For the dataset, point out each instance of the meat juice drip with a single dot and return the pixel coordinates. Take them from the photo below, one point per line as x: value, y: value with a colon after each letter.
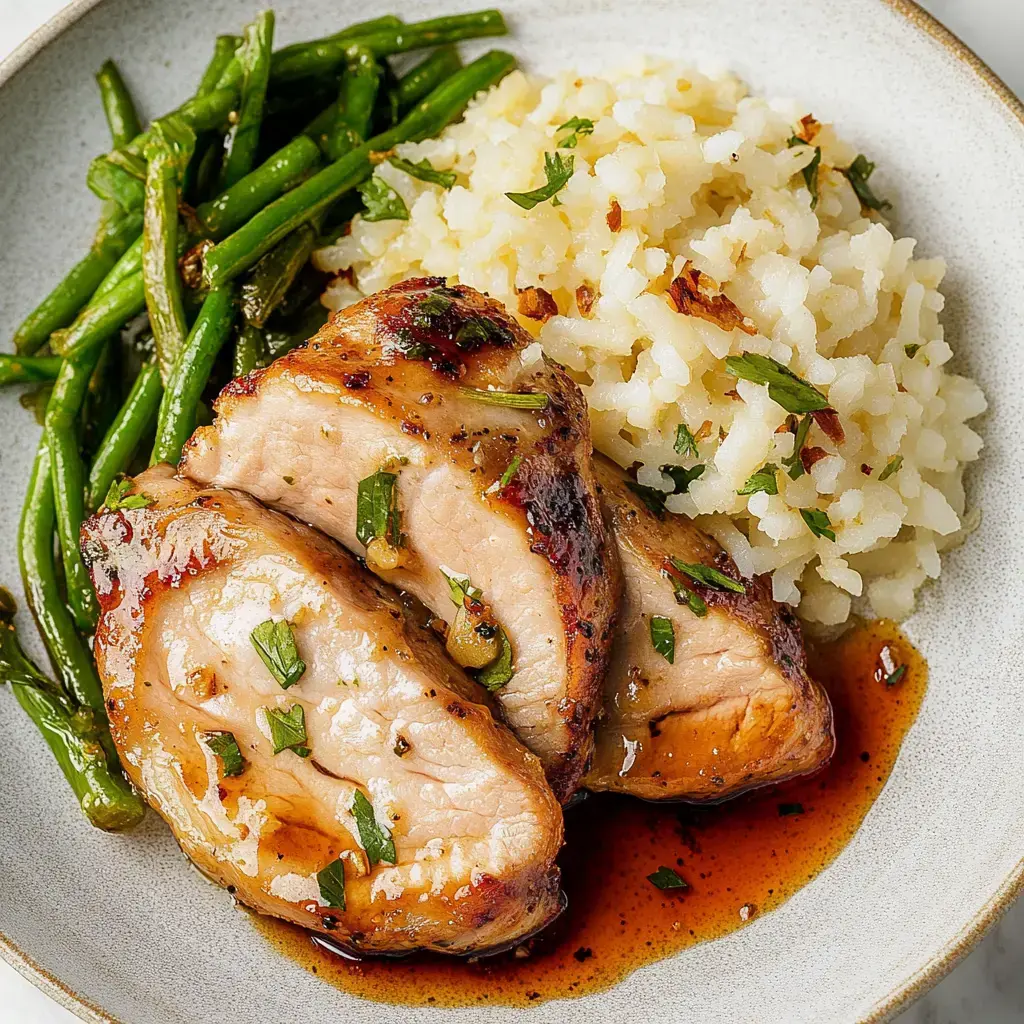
x: 741, y: 859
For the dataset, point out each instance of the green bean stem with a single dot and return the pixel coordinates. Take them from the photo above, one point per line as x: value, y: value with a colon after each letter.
x: 117, y: 104
x: 424, y: 78
x: 327, y: 55
x: 62, y: 305
x: 254, y: 56
x: 39, y: 578
x: 177, y: 418
x: 136, y: 418
x: 241, y: 250
x: 250, y: 350
x: 160, y: 276
x: 80, y: 743
x: 16, y: 369
x: 68, y: 475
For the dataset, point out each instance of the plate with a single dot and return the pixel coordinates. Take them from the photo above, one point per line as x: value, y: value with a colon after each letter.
x: 122, y: 928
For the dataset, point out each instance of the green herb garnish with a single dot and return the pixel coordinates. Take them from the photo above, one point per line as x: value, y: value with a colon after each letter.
x: 510, y: 471
x: 578, y: 126
x: 331, y: 880
x: 666, y: 878
x: 763, y: 480
x: 663, y: 638
x: 857, y: 174
x: 376, y: 841
x: 509, y: 399
x: 818, y: 523
x: 557, y: 170
x: 382, y: 201
x: 650, y: 496
x: 225, y: 746
x: 891, y: 467
x: 461, y: 588
x: 495, y: 675
x: 431, y: 306
x: 896, y: 675
x: 424, y: 172
x: 707, y: 576
x: 810, y: 172
x: 911, y: 350
x: 288, y: 729
x: 275, y: 644
x: 785, y: 388
x: 377, y: 509
x: 120, y: 497
x: 685, y: 443
x: 682, y: 477
x: 787, y: 809
x: 793, y: 464
x: 685, y: 596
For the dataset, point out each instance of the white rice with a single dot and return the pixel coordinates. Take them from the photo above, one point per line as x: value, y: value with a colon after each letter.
x: 703, y: 173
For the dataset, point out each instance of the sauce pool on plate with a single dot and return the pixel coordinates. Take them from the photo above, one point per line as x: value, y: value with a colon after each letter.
x: 739, y: 859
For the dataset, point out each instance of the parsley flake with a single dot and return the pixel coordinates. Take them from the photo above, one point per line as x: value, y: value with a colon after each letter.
x: 785, y: 810
x: 891, y: 467
x: 706, y: 575
x: 667, y: 878
x: 510, y: 471
x: 793, y: 464
x: 810, y: 172
x: 785, y: 388
x: 685, y: 443
x: 225, y: 746
x: 376, y: 841
x: 577, y: 126
x: 120, y: 497
x: 377, y: 509
x: 424, y: 171
x: 818, y: 523
x: 495, y: 675
x: 663, y: 638
x: 381, y: 200
x: 331, y: 881
x: 288, y: 729
x: 682, y: 477
x: 763, y: 480
x: 275, y: 644
x: 558, y: 170
x: 857, y: 174
x: 896, y: 676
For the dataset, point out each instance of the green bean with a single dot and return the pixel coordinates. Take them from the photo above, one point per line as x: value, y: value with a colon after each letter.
x: 250, y: 350
x: 177, y: 417
x: 223, y: 52
x: 117, y: 104
x: 241, y: 250
x: 38, y: 576
x: 168, y: 153
x: 79, y: 742
x: 254, y: 56
x: 329, y: 54
x: 273, y: 275
x: 102, y: 399
x: 136, y: 418
x: 101, y: 318
x: 424, y: 78
x: 356, y: 99
x: 303, y: 327
x: 16, y: 369
x: 60, y: 307
x: 68, y: 475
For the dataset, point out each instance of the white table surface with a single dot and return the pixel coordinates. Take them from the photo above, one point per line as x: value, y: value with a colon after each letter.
x: 988, y: 987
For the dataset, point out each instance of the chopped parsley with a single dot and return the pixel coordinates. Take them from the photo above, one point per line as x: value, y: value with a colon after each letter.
x: 685, y: 443
x: 432, y: 306
x: 120, y: 497
x: 682, y: 477
x: 424, y: 171
x: 785, y: 810
x: 891, y: 467
x: 785, y: 388
x: 577, y: 126
x: 857, y: 174
x: 810, y: 172
x: 275, y: 644
x: 896, y: 676
x: 650, y: 496
x: 225, y: 746
x: 763, y: 480
x: 376, y: 841
x: 509, y: 399
x: 558, y: 170
x: 685, y: 596
x: 818, y: 523
x: 510, y: 471
x: 707, y: 576
x: 288, y: 729
x: 461, y: 588
x: 381, y: 200
x: 331, y: 880
x: 495, y: 675
x: 377, y: 509
x: 663, y: 638
x: 793, y: 464
x: 667, y: 878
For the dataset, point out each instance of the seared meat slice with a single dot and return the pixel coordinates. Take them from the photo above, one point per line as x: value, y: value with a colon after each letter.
x: 502, y: 495
x: 380, y: 738
x: 735, y: 708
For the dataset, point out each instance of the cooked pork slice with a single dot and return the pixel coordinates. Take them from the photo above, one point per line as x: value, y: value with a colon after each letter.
x: 307, y: 741
x: 724, y: 702
x: 399, y: 431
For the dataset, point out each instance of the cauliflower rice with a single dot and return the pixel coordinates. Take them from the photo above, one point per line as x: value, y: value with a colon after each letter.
x: 703, y: 172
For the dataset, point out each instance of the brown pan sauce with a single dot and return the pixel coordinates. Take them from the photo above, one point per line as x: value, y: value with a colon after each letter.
x: 740, y: 859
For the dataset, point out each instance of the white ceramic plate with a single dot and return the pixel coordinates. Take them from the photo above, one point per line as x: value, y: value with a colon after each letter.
x: 121, y: 928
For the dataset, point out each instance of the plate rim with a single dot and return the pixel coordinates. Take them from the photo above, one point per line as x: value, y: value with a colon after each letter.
x: 944, y: 960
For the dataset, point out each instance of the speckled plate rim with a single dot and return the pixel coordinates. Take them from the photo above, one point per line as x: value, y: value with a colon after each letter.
x: 916, y: 984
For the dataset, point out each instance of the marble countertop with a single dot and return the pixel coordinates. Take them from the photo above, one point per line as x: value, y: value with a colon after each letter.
x: 988, y: 986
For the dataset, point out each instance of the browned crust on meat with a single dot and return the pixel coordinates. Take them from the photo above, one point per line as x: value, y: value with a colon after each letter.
x: 792, y: 749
